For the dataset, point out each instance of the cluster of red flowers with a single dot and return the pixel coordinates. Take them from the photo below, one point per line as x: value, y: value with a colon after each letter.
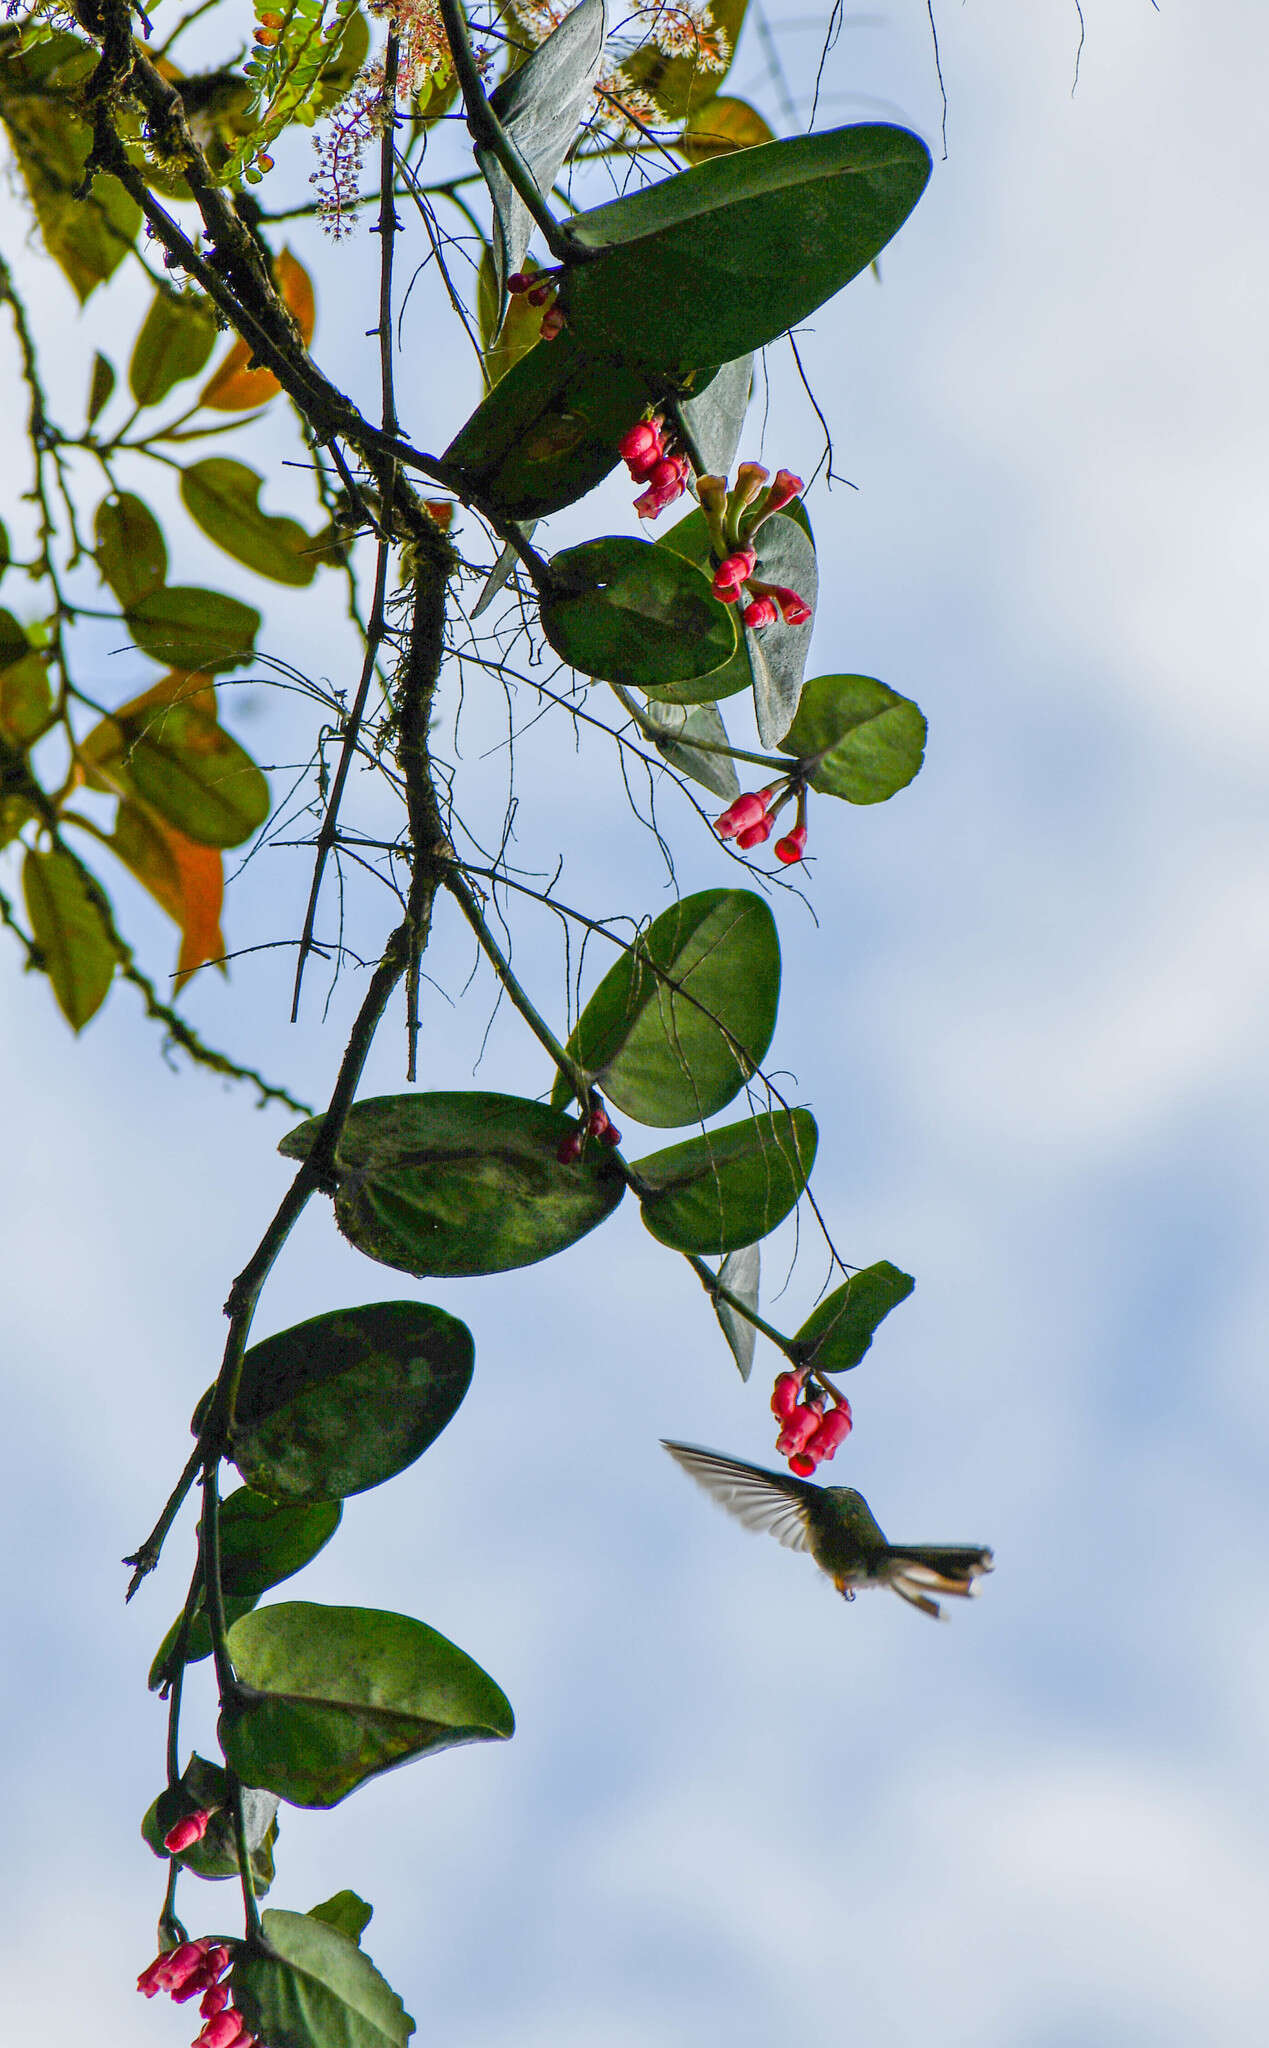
x: 733, y: 517
x: 646, y: 455
x: 539, y: 290
x: 194, y: 1970
x: 595, y: 1124
x: 807, y: 1434
x: 750, y: 820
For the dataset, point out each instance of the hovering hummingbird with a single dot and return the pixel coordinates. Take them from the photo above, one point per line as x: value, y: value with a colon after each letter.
x: 836, y: 1525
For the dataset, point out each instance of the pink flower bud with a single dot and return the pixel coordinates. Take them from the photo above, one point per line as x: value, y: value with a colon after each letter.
x: 760, y: 613
x: 741, y: 813
x: 552, y: 324
x: 569, y: 1149
x: 791, y: 847
x: 794, y: 610
x: 597, y: 1123
x: 802, y: 1464
x: 833, y: 1430
x: 785, y: 1393
x: 732, y: 572
x: 175, y: 1968
x: 154, y: 1976
x: 186, y: 1832
x: 222, y: 2031
x: 215, y: 1999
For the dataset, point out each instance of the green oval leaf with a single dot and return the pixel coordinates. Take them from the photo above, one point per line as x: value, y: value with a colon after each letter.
x: 548, y: 431
x: 177, y: 337
x: 204, y: 1787
x: 26, y: 696
x: 724, y: 258
x: 683, y: 1021
x: 740, y: 1273
x: 628, y: 612
x: 453, y: 1184
x: 222, y: 498
x: 262, y: 1542
x: 540, y: 105
x: 837, y: 1333
x: 867, y: 740
x: 715, y: 417
x: 101, y: 384
x: 131, y: 551
x: 728, y: 1188
x: 345, y: 1911
x: 315, y: 1988
x: 335, y: 1695
x: 347, y: 1400
x: 676, y: 726
x: 195, y: 630
x: 194, y: 774
x: 64, y: 905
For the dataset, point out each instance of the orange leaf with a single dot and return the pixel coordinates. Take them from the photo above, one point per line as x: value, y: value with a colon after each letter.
x: 236, y: 388
x: 185, y: 880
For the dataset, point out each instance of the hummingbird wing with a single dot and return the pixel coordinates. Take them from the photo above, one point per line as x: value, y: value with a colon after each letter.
x: 760, y: 1499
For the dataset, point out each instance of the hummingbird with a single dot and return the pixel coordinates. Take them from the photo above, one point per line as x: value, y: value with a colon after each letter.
x: 837, y: 1526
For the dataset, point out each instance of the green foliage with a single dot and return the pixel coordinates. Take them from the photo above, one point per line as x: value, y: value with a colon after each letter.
x: 194, y: 629
x: 222, y: 498
x: 699, y: 267
x: 680, y: 85
x: 262, y: 1542
x: 627, y: 612
x: 335, y: 1695
x: 728, y: 1188
x: 100, y: 387
x: 68, y: 924
x: 179, y: 760
x: 131, y: 550
x: 177, y: 337
x: 461, y: 1184
x: 674, y: 728
x: 314, y: 1988
x: 714, y: 417
x: 683, y: 1021
x: 87, y: 236
x: 347, y: 1913
x: 348, y: 1400
x: 838, y: 1333
x: 865, y: 740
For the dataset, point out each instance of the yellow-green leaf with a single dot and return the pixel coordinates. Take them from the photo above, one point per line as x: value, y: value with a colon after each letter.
x: 222, y: 498
x: 64, y: 906
x: 177, y: 336
x: 131, y: 551
x: 720, y: 126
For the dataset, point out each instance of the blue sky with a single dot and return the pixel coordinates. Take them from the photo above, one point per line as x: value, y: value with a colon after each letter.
x: 1032, y: 1025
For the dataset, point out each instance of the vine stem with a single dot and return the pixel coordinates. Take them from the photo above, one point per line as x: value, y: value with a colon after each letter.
x: 717, y: 1292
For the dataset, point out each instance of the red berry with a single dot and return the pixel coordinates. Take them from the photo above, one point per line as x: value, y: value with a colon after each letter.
x: 597, y: 1123
x: 569, y: 1149
x: 754, y: 835
x: 792, y: 846
x: 612, y: 1136
x: 518, y: 282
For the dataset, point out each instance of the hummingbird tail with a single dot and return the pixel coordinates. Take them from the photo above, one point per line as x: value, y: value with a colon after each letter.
x: 917, y: 1570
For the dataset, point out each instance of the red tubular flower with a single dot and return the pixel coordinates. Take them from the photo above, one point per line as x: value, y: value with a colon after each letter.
x: 186, y: 1832
x: 799, y: 1429
x: 785, y: 1394
x: 640, y: 442
x: 754, y: 835
x: 154, y: 1976
x: 215, y: 1999
x: 222, y: 2031
x: 833, y: 1431
x: 802, y: 1465
x: 732, y: 572
x: 655, y: 499
x: 791, y: 847
x: 760, y: 613
x: 743, y: 812
x: 794, y: 610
